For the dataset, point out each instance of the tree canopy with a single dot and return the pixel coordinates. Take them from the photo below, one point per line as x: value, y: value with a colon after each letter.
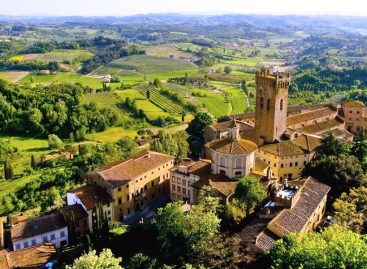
x: 105, y: 260
x: 339, y: 172
x: 332, y: 248
x: 197, y: 125
x: 350, y: 209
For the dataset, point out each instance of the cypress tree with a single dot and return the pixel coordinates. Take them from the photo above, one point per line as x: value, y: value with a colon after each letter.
x: 33, y: 162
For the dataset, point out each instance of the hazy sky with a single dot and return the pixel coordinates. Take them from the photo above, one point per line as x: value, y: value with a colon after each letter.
x: 130, y: 7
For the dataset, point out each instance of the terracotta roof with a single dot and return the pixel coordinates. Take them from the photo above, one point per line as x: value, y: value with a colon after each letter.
x: 33, y: 257
x: 307, y: 142
x: 320, y: 127
x: 221, y: 183
x: 229, y: 146
x: 4, y: 262
x: 200, y: 168
x: 296, y: 218
x: 265, y: 240
x: 118, y: 173
x: 283, y: 148
x: 77, y: 211
x: 89, y: 195
x: 299, y: 108
x: 260, y: 165
x: 298, y: 146
x: 352, y: 103
x: 315, y: 114
x: 36, y: 226
x: 223, y: 126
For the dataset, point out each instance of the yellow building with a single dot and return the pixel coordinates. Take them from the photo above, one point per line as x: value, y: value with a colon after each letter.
x: 288, y: 158
x: 355, y: 113
x: 298, y: 206
x: 135, y: 182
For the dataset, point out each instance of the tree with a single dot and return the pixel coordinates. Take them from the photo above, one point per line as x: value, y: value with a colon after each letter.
x: 6, y: 149
x: 227, y: 70
x: 170, y: 223
x: 250, y: 191
x: 148, y: 94
x: 141, y: 261
x: 191, y: 230
x: 157, y: 83
x: 34, y: 162
x: 330, y: 146
x: 339, y: 172
x: 105, y: 260
x: 54, y: 142
x: 197, y: 125
x: 332, y: 248
x: 8, y: 170
x: 359, y: 148
x: 244, y: 87
x: 350, y: 209
x: 175, y: 145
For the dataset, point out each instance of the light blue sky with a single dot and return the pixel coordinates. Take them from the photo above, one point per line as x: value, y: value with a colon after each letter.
x: 130, y: 7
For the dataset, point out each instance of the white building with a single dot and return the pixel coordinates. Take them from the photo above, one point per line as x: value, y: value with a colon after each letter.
x: 232, y: 156
x: 183, y: 175
x: 90, y: 197
x: 27, y: 232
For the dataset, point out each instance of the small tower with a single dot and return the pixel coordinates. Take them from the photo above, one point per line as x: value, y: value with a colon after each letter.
x: 234, y: 130
x: 271, y: 106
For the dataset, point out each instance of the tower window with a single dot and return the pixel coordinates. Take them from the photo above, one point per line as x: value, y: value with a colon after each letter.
x: 262, y: 102
x: 268, y: 105
x: 281, y: 104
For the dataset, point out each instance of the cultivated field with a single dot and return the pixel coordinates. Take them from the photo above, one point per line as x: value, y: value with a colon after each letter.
x: 144, y: 64
x: 62, y: 77
x: 13, y: 76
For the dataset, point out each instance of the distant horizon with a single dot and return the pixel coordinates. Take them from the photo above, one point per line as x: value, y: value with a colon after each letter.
x: 125, y: 8
x: 179, y: 14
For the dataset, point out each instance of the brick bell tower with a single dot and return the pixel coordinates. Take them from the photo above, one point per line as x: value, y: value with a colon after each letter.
x: 271, y: 106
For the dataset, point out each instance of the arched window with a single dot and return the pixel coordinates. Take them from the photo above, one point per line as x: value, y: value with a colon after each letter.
x: 222, y: 161
x: 268, y: 105
x: 238, y: 163
x: 281, y: 104
x: 262, y: 102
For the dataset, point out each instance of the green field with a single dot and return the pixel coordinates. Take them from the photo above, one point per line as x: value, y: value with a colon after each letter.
x: 112, y: 134
x: 162, y: 101
x: 65, y: 55
x: 237, y: 99
x: 166, y: 50
x: 144, y: 64
x: 151, y: 110
x: 214, y: 102
x: 62, y: 77
x: 21, y: 159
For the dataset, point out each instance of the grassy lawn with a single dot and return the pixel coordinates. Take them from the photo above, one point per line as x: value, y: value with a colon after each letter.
x: 104, y: 99
x: 237, y: 100
x: 215, y: 103
x: 21, y: 159
x: 62, y: 77
x: 112, y: 134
